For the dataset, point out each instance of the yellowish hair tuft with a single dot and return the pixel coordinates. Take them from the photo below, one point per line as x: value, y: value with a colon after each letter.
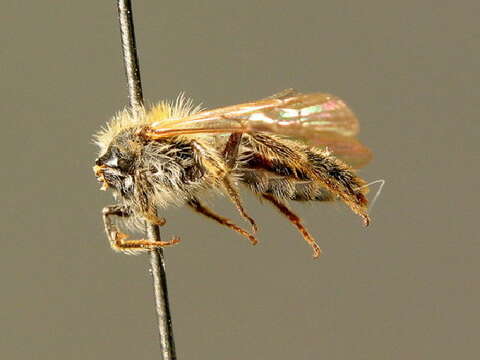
x: 163, y: 112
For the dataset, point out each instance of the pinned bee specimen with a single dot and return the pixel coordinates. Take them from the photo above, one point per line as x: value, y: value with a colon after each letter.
x: 290, y: 146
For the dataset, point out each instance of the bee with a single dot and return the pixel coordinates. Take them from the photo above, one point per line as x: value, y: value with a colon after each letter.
x: 289, y: 146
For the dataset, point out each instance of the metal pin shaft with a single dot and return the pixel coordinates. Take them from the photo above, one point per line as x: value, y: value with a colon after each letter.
x: 157, y: 260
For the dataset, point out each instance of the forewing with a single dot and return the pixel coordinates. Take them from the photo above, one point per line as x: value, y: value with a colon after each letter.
x: 291, y: 114
x: 306, y: 116
x: 346, y: 148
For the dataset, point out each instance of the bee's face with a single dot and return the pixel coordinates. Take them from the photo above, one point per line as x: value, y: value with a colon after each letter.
x: 114, y: 168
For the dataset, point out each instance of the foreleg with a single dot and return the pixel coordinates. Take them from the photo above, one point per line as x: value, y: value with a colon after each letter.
x: 118, y: 240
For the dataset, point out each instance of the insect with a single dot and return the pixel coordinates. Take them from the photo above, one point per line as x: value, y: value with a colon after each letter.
x: 290, y: 146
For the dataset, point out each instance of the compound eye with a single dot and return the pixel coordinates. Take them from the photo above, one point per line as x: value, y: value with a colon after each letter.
x: 109, y: 158
x: 124, y: 164
x: 115, y: 159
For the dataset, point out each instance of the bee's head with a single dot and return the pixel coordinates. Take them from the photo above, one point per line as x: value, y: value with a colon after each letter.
x: 114, y: 168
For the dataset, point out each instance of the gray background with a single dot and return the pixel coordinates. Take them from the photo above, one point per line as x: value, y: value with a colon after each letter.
x: 405, y: 288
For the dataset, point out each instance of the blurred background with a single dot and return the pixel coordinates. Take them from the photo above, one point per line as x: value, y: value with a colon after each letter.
x: 406, y: 287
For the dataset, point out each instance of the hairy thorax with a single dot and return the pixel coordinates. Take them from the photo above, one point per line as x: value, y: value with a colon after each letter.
x: 145, y: 173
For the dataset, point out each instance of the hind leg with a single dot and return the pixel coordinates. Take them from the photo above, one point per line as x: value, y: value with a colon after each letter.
x: 296, y: 221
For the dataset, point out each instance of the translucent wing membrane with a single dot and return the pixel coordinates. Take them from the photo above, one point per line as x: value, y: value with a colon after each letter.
x: 321, y: 119
x: 348, y: 149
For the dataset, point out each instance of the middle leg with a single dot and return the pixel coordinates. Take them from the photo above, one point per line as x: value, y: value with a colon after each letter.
x: 196, y: 205
x: 235, y: 197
